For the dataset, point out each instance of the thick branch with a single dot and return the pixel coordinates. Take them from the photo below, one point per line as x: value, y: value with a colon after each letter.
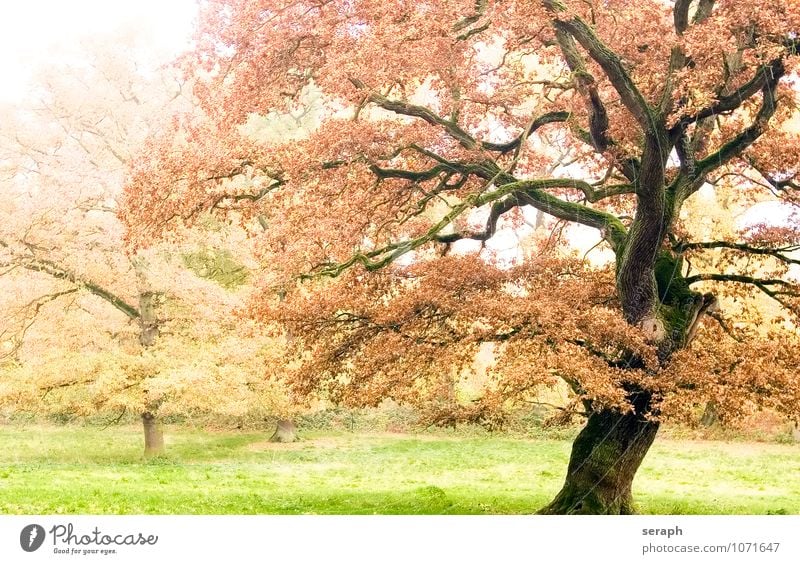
x: 520, y: 192
x: 498, y: 209
x: 746, y: 138
x: 704, y: 8
x: 610, y: 226
x: 552, y: 117
x: 381, y: 257
x: 590, y: 193
x: 420, y: 175
x: 252, y: 197
x: 680, y: 15
x: 737, y: 98
x: 412, y: 110
x: 587, y: 87
x: 56, y: 271
x: 609, y: 61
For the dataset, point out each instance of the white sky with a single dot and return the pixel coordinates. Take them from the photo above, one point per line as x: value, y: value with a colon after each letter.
x: 30, y: 29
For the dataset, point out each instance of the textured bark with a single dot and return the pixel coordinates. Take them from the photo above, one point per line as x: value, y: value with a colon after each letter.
x: 148, y: 321
x: 604, y: 460
x: 636, y: 263
x: 153, y: 435
x: 655, y: 298
x: 285, y: 432
x: 609, y: 450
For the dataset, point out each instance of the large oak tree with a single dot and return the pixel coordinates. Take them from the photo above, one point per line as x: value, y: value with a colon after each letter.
x: 608, y: 114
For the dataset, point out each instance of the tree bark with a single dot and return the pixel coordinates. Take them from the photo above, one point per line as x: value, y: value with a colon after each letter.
x: 710, y: 415
x: 148, y: 323
x: 148, y: 332
x: 153, y: 435
x: 609, y: 450
x: 605, y: 457
x: 285, y: 432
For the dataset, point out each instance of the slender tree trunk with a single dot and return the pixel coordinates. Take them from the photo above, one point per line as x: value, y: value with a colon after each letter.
x: 148, y: 333
x: 153, y: 435
x: 605, y: 457
x: 710, y: 415
x: 285, y: 432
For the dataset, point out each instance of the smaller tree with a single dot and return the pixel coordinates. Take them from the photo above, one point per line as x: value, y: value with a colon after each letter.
x: 64, y: 152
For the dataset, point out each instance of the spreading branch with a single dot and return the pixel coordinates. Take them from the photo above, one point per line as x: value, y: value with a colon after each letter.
x: 505, y: 197
x: 775, y: 288
x: 29, y: 312
x: 736, y: 98
x: 777, y: 252
x: 552, y: 117
x: 750, y: 134
x: 59, y: 272
x: 414, y: 110
x: 586, y: 85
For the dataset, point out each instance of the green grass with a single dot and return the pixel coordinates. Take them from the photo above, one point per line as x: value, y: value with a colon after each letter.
x: 76, y: 469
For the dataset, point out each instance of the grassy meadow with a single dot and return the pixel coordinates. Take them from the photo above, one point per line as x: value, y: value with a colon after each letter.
x: 84, y: 469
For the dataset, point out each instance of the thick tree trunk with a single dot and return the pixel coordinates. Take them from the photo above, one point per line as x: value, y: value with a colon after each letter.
x: 153, y: 435
x: 285, y: 432
x: 605, y: 457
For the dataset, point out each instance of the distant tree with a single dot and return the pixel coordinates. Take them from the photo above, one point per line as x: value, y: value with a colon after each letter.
x: 438, y: 130
x: 64, y: 153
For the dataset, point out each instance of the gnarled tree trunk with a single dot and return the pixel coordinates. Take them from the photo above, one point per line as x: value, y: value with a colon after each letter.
x: 609, y: 450
x: 285, y: 432
x: 656, y: 299
x: 153, y: 435
x: 605, y: 457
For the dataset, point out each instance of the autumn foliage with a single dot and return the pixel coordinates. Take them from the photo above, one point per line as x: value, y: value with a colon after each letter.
x: 440, y: 126
x: 87, y: 329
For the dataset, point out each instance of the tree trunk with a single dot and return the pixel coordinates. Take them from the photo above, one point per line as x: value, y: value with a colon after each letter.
x: 710, y: 416
x: 148, y: 332
x: 148, y: 323
x: 285, y: 432
x: 605, y: 457
x: 609, y: 450
x: 153, y: 435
